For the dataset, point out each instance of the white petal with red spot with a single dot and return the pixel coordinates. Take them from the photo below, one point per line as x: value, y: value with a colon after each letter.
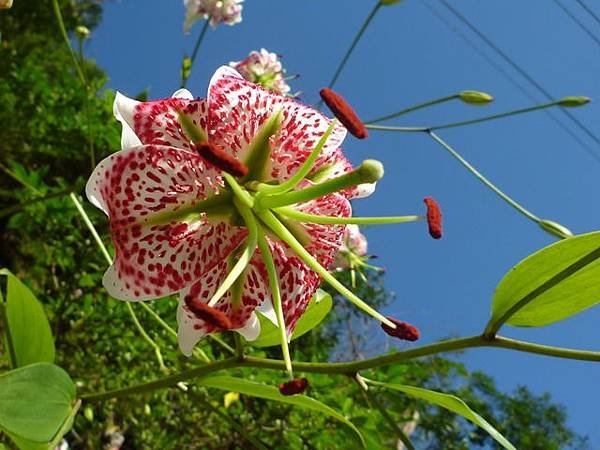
x: 237, y: 109
x: 162, y: 246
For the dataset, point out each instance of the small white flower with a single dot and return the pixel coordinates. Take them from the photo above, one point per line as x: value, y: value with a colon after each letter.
x: 216, y: 11
x: 263, y: 68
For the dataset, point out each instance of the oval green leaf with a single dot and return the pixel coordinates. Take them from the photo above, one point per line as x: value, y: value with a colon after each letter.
x: 272, y: 393
x: 29, y: 328
x: 451, y: 403
x: 550, y: 285
x: 37, y: 403
x: 318, y: 308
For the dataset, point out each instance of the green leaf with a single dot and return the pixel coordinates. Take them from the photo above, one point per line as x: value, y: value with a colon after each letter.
x: 317, y: 310
x: 272, y: 393
x: 37, y: 404
x: 554, y: 283
x: 29, y: 328
x: 451, y: 403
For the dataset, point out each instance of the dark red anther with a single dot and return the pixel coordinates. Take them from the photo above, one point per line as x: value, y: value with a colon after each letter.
x: 344, y: 112
x: 403, y: 330
x: 434, y: 217
x: 293, y: 387
x: 220, y: 158
x: 207, y: 313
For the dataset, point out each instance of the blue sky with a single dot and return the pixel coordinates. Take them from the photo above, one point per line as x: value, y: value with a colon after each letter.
x: 407, y: 56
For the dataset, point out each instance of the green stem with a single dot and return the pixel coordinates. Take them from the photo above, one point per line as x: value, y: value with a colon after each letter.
x: 16, y: 208
x: 239, y: 346
x: 495, y: 324
x: 414, y: 108
x: 63, y: 31
x: 315, y: 218
x: 146, y: 337
x: 184, y: 79
x: 483, y: 179
x: 284, y: 234
x: 304, y: 169
x: 18, y: 179
x: 361, y: 31
x: 389, y: 419
x: 276, y: 297
x: 392, y: 128
x: 463, y: 123
x: 350, y: 368
x: 165, y: 382
x: 9, y: 341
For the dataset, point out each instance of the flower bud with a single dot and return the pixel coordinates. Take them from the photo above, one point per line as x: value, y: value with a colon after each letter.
x: 389, y: 2
x: 82, y: 32
x: 475, y: 97
x: 293, y: 387
x: 6, y: 4
x: 88, y: 413
x: 186, y: 67
x: 555, y: 229
x: 574, y: 101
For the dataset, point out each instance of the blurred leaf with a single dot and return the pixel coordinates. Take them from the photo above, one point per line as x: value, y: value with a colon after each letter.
x: 37, y: 405
x: 451, y: 403
x: 29, y: 328
x: 554, y: 283
x: 318, y: 308
x: 272, y: 393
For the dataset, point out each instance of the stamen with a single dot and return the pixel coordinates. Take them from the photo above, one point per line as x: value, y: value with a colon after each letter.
x: 293, y: 387
x: 403, y: 330
x: 344, y: 112
x: 207, y: 313
x: 221, y: 159
x: 434, y: 217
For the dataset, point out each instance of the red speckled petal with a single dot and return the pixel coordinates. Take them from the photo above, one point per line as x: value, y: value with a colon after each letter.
x: 256, y: 285
x: 156, y: 122
x: 237, y: 109
x: 158, y: 253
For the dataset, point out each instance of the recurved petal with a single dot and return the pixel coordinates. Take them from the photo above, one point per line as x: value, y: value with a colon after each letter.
x: 240, y: 312
x: 237, y: 108
x: 156, y: 122
x: 162, y: 243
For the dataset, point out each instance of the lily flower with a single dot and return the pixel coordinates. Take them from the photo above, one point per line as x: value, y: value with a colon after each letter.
x: 179, y: 226
x: 228, y: 12
x: 263, y: 68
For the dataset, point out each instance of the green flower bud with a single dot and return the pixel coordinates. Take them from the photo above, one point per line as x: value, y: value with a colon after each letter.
x: 475, y: 97
x: 88, y: 413
x: 147, y: 409
x: 82, y: 32
x: 574, y: 101
x: 186, y: 67
x: 370, y: 171
x: 555, y: 229
x: 389, y: 2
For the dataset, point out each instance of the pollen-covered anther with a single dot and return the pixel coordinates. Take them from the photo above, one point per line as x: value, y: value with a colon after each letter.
x: 434, y: 217
x: 221, y: 159
x: 207, y: 313
x: 293, y: 387
x: 344, y: 112
x: 403, y: 330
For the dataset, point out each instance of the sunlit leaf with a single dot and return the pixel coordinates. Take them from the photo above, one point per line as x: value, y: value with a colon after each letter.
x: 317, y: 310
x: 554, y: 283
x: 451, y: 403
x: 272, y: 393
x: 29, y: 328
x: 37, y: 404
